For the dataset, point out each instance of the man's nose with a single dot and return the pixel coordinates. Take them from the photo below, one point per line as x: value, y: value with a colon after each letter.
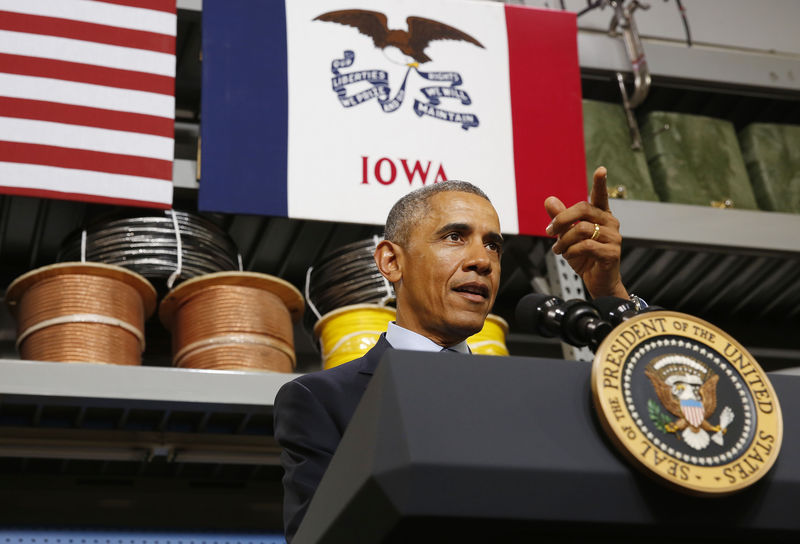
x: 477, y: 258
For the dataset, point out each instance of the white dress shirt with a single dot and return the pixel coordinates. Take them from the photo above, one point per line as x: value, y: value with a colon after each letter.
x: 401, y: 338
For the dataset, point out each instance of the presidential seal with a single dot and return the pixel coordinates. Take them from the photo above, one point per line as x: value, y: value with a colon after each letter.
x: 686, y: 403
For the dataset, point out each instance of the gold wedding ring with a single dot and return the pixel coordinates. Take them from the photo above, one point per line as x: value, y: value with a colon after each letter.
x: 596, y: 232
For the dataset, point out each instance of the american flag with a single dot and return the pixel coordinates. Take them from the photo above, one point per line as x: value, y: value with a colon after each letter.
x: 87, y: 100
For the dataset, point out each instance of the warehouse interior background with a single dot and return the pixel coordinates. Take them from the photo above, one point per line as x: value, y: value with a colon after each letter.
x: 72, y: 457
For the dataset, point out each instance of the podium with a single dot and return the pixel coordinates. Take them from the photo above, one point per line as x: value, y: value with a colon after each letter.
x: 453, y: 448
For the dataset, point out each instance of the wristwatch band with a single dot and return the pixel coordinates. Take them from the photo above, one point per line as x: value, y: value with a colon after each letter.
x: 640, y: 303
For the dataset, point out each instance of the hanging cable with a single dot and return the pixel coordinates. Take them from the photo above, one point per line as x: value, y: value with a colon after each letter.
x: 83, y: 246
x: 178, y: 249
x: 685, y: 21
x: 590, y: 5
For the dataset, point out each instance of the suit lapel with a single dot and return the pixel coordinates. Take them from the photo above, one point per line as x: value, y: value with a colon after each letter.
x: 373, y: 356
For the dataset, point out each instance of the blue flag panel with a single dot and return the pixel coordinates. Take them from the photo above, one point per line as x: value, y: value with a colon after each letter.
x: 244, y: 107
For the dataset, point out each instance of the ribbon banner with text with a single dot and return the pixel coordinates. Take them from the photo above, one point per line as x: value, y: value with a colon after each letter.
x: 333, y: 110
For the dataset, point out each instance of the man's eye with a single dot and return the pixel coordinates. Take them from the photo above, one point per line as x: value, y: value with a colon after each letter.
x: 493, y: 246
x: 454, y: 237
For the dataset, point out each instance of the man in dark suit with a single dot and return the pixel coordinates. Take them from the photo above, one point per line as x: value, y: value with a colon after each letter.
x: 441, y: 252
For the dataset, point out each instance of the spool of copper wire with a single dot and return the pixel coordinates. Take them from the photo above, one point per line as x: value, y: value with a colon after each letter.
x: 81, y: 312
x: 233, y: 321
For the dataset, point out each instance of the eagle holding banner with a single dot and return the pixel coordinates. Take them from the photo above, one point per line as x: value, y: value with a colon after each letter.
x: 411, y: 44
x: 688, y: 390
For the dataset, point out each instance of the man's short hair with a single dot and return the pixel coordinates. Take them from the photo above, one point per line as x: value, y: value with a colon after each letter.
x: 409, y: 209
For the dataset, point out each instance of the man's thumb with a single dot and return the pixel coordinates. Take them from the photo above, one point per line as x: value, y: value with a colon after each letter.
x: 553, y: 206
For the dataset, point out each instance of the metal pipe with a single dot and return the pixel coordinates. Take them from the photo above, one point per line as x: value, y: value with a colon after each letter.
x: 635, y: 50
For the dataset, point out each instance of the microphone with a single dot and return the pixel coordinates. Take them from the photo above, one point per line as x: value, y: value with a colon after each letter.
x: 576, y: 321
x: 616, y: 309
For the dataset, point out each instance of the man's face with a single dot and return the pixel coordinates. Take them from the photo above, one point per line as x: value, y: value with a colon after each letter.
x: 450, y: 268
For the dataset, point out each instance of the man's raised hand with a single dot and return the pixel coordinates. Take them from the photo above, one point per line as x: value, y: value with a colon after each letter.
x: 588, y: 238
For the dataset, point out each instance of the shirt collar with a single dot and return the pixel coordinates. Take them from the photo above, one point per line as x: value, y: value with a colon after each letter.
x: 401, y: 338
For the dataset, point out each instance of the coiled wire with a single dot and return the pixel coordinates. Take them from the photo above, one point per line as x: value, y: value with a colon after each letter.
x: 81, y: 312
x: 233, y: 321
x: 344, y: 277
x: 149, y: 246
x: 349, y: 332
x: 491, y: 339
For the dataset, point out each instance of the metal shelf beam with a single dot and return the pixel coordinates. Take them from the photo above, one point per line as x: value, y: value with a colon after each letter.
x: 163, y: 387
x: 116, y: 445
x: 720, y: 66
x: 663, y: 222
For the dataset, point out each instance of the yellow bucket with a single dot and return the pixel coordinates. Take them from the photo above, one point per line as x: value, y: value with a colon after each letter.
x: 491, y: 340
x: 349, y: 332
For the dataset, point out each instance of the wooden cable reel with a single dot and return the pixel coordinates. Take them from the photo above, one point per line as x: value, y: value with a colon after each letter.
x: 233, y: 321
x: 81, y: 312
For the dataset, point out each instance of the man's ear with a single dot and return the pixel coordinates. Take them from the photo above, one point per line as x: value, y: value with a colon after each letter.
x: 388, y: 257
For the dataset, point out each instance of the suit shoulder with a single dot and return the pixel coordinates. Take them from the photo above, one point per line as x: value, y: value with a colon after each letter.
x: 327, y: 395
x: 332, y: 379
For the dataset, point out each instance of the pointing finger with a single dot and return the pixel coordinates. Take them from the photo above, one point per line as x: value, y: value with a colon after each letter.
x: 553, y: 206
x: 599, y: 197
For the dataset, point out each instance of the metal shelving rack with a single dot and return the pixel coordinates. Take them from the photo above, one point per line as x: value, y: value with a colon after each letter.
x: 119, y: 413
x: 159, y: 448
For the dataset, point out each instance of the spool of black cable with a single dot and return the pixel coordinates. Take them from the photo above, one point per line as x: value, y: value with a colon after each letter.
x: 346, y: 276
x: 164, y: 248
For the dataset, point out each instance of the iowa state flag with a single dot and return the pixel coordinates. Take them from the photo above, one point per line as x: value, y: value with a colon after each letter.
x: 87, y: 100
x: 332, y: 110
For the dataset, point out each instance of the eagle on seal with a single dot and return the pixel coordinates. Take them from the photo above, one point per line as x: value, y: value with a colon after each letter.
x: 692, y: 401
x: 412, y: 43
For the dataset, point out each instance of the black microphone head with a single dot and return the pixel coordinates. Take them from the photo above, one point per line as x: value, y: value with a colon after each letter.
x: 532, y: 308
x: 615, y: 309
x: 578, y: 321
x: 597, y: 330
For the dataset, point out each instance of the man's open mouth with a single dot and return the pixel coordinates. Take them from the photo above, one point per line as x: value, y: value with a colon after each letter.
x: 473, y: 289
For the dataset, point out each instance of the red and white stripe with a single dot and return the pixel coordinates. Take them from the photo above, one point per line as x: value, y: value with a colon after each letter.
x: 694, y: 414
x: 87, y: 99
